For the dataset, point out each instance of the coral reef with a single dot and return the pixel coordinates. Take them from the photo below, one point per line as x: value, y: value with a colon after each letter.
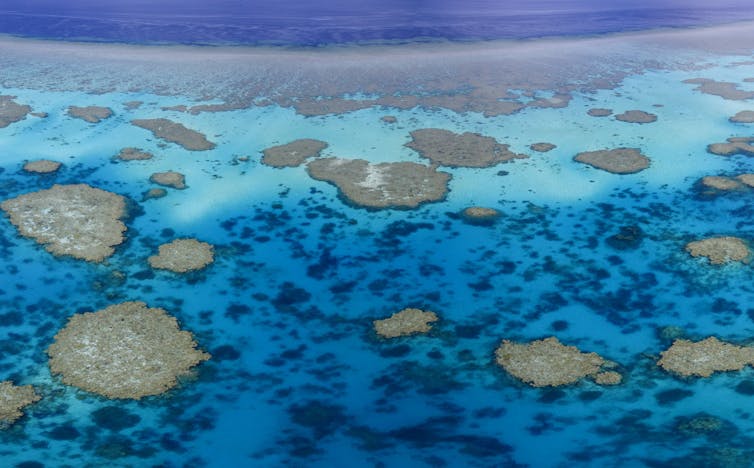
x: 636, y: 116
x: 169, y: 179
x: 133, y: 154
x: 480, y: 215
x: 608, y: 378
x: 77, y: 220
x: 627, y: 238
x: 698, y: 425
x: 91, y: 114
x: 183, y: 255
x: 404, y: 323
x: 599, y: 112
x: 383, y: 185
x: 42, y: 166
x: 292, y: 154
x: 11, y: 111
x: 745, y: 116
x: 720, y: 183
x: 450, y: 149
x: 154, y: 193
x: 724, y: 89
x: 175, y: 132
x: 126, y: 350
x: 549, y: 363
x: 720, y: 250
x: 542, y: 147
x: 746, y: 179
x: 703, y: 358
x: 733, y: 146
x: 13, y: 399
x: 617, y: 161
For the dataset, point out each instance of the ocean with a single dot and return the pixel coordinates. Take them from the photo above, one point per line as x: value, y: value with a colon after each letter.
x: 302, y: 23
x: 327, y: 156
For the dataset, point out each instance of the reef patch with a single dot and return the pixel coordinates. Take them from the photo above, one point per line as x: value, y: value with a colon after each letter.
x: 404, y: 323
x: 126, y: 350
x: 11, y: 111
x: 705, y: 357
x: 383, y: 185
x: 720, y: 250
x: 542, y: 147
x: 42, y: 166
x: 636, y: 116
x: 549, y: 363
x: 77, y: 220
x: 13, y: 399
x: 91, y: 114
x: 172, y: 179
x: 446, y: 148
x: 183, y: 255
x: 733, y: 146
x: 133, y: 154
x: 292, y: 154
x: 745, y: 116
x: 175, y: 132
x: 600, y: 112
x: 616, y: 161
x: 724, y: 89
x: 480, y: 215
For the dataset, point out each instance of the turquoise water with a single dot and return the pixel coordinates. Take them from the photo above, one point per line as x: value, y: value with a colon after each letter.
x: 298, y: 378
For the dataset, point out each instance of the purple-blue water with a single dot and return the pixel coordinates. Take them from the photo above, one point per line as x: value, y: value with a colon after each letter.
x: 337, y: 21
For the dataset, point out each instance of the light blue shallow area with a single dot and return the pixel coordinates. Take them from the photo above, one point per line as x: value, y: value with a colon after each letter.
x: 298, y: 378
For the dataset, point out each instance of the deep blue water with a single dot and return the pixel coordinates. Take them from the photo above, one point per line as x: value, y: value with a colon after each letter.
x: 301, y: 22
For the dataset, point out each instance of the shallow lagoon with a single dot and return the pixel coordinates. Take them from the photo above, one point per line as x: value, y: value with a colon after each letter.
x: 297, y: 375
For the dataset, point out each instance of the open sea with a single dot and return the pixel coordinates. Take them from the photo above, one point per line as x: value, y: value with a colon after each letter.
x: 302, y: 268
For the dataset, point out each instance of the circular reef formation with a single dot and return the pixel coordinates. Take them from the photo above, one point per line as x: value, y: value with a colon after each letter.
x: 542, y: 147
x: 77, y: 220
x: 182, y: 256
x: 126, y: 350
x: 292, y: 154
x: 703, y: 358
x: 446, y: 148
x: 172, y: 179
x: 383, y: 185
x: 549, y: 363
x: 617, y: 161
x: 720, y: 250
x: 636, y: 116
x: 133, y: 154
x: 42, y: 166
x: 480, y: 215
x: 404, y: 323
x: 14, y: 398
x: 154, y: 193
x: 600, y: 112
